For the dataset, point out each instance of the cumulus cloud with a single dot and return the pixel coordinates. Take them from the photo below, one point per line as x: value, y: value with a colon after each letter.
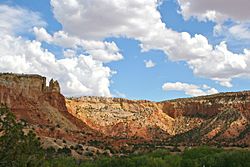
x: 85, y: 25
x: 93, y: 19
x: 79, y: 73
x: 189, y: 89
x: 220, y: 11
x: 149, y: 64
x: 99, y: 50
x: 14, y: 20
x: 141, y: 20
x: 241, y: 31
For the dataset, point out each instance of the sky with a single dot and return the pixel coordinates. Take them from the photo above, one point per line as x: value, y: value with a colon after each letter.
x: 136, y: 49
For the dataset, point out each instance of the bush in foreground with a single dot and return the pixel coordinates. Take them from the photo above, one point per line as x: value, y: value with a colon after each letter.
x: 18, y: 149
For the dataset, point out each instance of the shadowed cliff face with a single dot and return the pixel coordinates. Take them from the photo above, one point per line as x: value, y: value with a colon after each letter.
x: 104, y: 122
x: 42, y: 107
x: 27, y: 94
x: 208, y: 106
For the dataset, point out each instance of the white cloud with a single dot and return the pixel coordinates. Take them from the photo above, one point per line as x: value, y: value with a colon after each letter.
x: 140, y: 20
x: 119, y: 94
x: 94, y: 19
x: 14, y: 20
x: 78, y: 74
x: 189, y: 89
x: 149, y: 64
x: 69, y: 53
x: 101, y: 51
x: 241, y: 31
x: 236, y: 33
x: 86, y: 23
x: 81, y: 75
x: 205, y: 86
x: 218, y: 11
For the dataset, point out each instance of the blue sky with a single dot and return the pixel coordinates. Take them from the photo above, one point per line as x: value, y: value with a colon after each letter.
x: 102, y: 47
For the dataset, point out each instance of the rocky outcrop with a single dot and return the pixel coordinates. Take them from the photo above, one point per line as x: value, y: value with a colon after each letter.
x: 21, y: 85
x: 120, y: 117
x: 21, y: 91
x: 190, y: 120
x: 53, y: 86
x: 208, y: 106
x: 25, y: 85
x: 42, y: 107
x: 222, y: 119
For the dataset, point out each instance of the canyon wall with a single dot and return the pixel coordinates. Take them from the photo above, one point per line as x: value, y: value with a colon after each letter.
x: 208, y: 106
x: 14, y: 86
x: 216, y: 119
x: 221, y: 118
x: 40, y: 105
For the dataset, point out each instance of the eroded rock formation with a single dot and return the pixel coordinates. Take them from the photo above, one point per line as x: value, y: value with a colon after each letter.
x: 120, y: 123
x: 25, y: 92
x: 42, y: 107
x: 216, y: 119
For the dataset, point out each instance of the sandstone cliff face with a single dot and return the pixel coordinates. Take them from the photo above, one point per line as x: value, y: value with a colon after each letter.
x: 121, y: 117
x: 208, y: 105
x: 28, y: 86
x: 20, y: 85
x: 44, y: 110
x: 222, y: 118
x: 104, y: 122
x: 42, y: 107
x: 20, y: 91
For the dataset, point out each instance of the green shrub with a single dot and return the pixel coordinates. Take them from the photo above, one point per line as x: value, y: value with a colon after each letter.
x: 16, y: 147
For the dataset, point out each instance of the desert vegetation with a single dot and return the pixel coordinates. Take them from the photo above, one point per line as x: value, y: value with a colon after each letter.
x: 22, y: 148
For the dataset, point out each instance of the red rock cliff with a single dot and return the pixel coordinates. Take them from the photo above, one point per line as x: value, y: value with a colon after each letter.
x: 21, y: 91
x: 222, y: 118
x: 208, y: 106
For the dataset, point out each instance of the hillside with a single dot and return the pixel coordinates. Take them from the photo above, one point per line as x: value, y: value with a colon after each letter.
x: 43, y: 109
x: 216, y: 119
x: 100, y: 125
